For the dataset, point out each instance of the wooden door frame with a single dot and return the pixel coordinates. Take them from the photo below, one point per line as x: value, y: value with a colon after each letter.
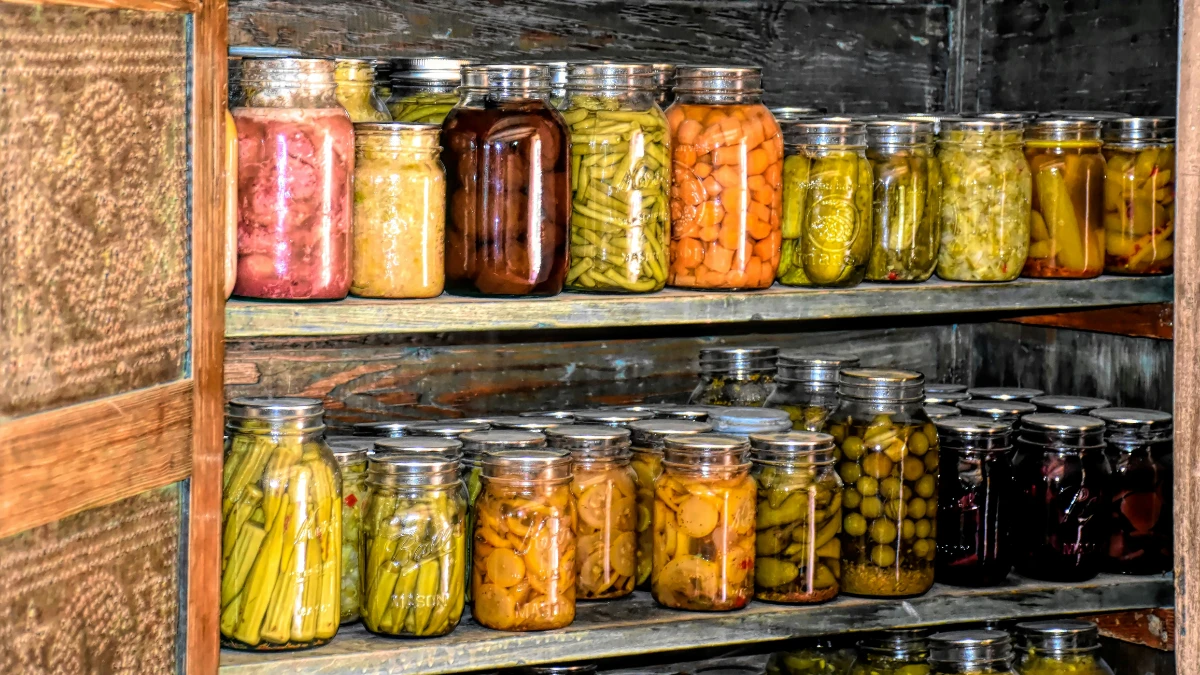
x: 1187, y: 341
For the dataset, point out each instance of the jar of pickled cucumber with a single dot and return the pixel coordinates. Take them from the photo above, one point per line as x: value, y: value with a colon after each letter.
x: 892, y: 652
x: 281, y: 507
x: 664, y: 82
x: 806, y: 387
x: 971, y: 652
x: 986, y: 192
x: 798, y: 516
x: 946, y: 397
x: 998, y: 411
x: 822, y: 656
x: 1139, y: 195
x: 741, y: 422
x: 605, y: 494
x: 1066, y: 230
x: 536, y: 424
x: 612, y: 418
x: 1139, y: 447
x: 424, y: 89
x: 1069, y: 405
x: 938, y: 412
x: 1005, y: 393
x: 704, y: 524
x: 351, y: 457
x: 447, y: 428
x: 356, y: 91
x: 1062, y: 480
x: 385, y: 429
x: 974, y: 524
x: 523, y: 554
x: 414, y: 544
x: 907, y: 200
x: 647, y: 439
x: 620, y: 179
x: 890, y: 470
x: 827, y: 216
x: 1061, y: 647
x: 735, y: 376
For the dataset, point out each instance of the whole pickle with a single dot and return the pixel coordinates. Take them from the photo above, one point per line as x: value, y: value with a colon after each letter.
x: 907, y: 205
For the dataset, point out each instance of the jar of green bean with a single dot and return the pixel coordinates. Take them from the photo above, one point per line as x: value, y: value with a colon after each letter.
x: 424, y: 89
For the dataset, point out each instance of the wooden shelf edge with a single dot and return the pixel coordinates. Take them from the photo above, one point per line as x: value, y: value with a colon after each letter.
x: 1148, y: 321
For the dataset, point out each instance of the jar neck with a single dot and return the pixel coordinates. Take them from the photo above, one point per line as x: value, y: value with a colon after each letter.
x: 718, y: 97
x: 715, y: 471
x: 746, y: 374
x: 478, y: 97
x: 524, y: 481
x: 594, y: 98
x: 1013, y: 138
x: 263, y: 94
x: 601, y: 463
x: 309, y: 428
x: 880, y: 406
x: 395, y: 146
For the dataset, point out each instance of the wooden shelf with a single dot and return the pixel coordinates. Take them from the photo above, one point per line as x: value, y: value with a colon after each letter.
x: 636, y: 625
x: 358, y: 316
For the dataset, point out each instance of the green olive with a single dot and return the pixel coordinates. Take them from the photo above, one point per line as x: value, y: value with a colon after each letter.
x: 925, y: 486
x: 924, y: 527
x: 913, y: 469
x: 852, y: 447
x: 867, y: 486
x: 933, y: 529
x: 855, y: 525
x: 849, y: 471
x: 922, y: 548
x: 883, y: 531
x: 908, y: 529
x: 876, y: 464
x: 918, y: 443
x: 851, y: 498
x: 931, y: 461
x: 890, y: 487
x: 916, y: 508
x: 883, y: 555
x: 871, y: 507
x: 895, y: 509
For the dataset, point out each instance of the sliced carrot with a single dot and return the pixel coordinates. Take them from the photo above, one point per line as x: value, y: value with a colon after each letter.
x: 685, y: 280
x: 752, y: 132
x: 676, y: 206
x: 726, y: 132
x: 718, y: 259
x: 774, y: 174
x: 737, y: 278
x: 701, y: 271
x: 675, y: 117
x: 689, y: 131
x: 738, y: 112
x: 711, y: 187
x: 707, y: 214
x: 695, y: 112
x: 755, y: 182
x: 681, y: 174
x: 768, y: 271
x: 759, y: 229
x: 689, y: 252
x: 763, y: 194
x: 731, y: 154
x: 718, y: 213
x: 774, y: 146
x: 715, y: 115
x: 713, y: 279
x: 730, y: 237
x: 757, y: 161
x: 685, y: 155
x: 729, y: 176
x: 734, y: 201
x: 691, y: 192
x: 680, y: 230
x: 709, y: 233
x: 702, y: 170
x: 760, y: 211
x: 732, y: 218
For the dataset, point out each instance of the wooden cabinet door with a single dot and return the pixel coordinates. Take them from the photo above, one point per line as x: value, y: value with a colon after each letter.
x: 111, y: 128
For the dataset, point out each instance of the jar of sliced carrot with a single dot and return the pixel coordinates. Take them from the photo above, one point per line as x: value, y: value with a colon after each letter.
x: 726, y: 200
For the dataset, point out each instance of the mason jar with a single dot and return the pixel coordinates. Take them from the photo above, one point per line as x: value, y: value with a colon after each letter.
x: 535, y: 424
x: 526, y: 497
x: 799, y: 513
x: 1069, y: 405
x: 1139, y: 195
x: 937, y: 412
x: 946, y: 397
x: 705, y: 496
x: 971, y: 652
x: 1061, y: 646
x: 281, y: 528
x: 355, y: 80
x: 447, y: 428
x: 559, y: 71
x: 384, y: 429
x: 611, y: 418
x: 1005, y: 393
x: 820, y: 656
x: 735, y: 376
x: 383, y: 80
x: 806, y: 387
x: 424, y: 89
x: 1061, y: 479
x: 351, y: 457
x: 907, y: 200
x: 890, y: 470
x: 1139, y: 448
x: 997, y: 410
x: 664, y: 81
x: 742, y: 422
x: 893, y: 652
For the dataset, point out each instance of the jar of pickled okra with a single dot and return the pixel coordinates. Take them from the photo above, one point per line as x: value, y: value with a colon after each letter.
x: 735, y: 376
x: 806, y: 387
x: 1059, y: 647
x: 523, y: 571
x: 281, y: 574
x: 1139, y: 195
x: 726, y: 194
x: 351, y: 457
x: 647, y: 439
x: 798, y: 516
x: 384, y: 429
x: 664, y: 82
x: 974, y: 523
x: 612, y: 418
x: 907, y: 202
x: 508, y: 183
x: 1061, y: 480
x: 892, y: 652
x: 1005, y: 393
x: 971, y: 652
x: 986, y: 192
x: 620, y: 179
x: 1066, y: 227
x: 424, y: 89
x: 937, y: 412
x: 704, y: 524
x: 821, y: 656
x: 741, y: 422
x: 827, y: 217
x: 890, y: 470
x: 605, y: 494
x: 997, y: 411
x: 356, y: 91
x: 946, y: 397
x: 1139, y: 446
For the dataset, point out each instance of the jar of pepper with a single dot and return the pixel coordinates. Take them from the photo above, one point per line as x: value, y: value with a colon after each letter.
x: 1139, y: 195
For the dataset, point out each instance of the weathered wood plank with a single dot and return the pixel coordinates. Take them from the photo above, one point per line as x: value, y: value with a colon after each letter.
x: 1150, y: 627
x: 1152, y: 321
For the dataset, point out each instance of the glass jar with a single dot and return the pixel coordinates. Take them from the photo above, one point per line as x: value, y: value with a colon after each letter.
x: 1139, y: 446
x: 620, y: 179
x: 1069, y: 405
x: 647, y: 439
x: 938, y: 412
x: 704, y: 524
x: 611, y: 418
x: 971, y: 652
x: 798, y: 516
x: 890, y: 470
x: 742, y: 422
x: 998, y: 411
x: 973, y: 524
x: 231, y: 202
x: 1061, y: 479
x: 446, y: 428
x: 384, y: 429
x: 558, y: 82
x: 605, y: 495
x: 523, y: 571
x: 1066, y: 231
x: 424, y: 89
x: 295, y: 175
x: 672, y: 411
x: 399, y: 211
x: 1061, y: 647
x: 822, y: 656
x: 1005, y: 393
x: 806, y: 387
x: 536, y: 424
x: 892, y: 652
x: 1139, y: 195
x: 355, y: 80
x: 351, y: 457
x: 789, y: 115
x: 946, y: 397
x: 383, y: 80
x: 416, y: 445
x: 281, y: 556
x: 508, y: 181
x: 907, y: 200
x: 664, y: 81
x: 827, y: 217
x: 735, y: 376
x: 726, y: 197
x: 944, y: 388
x: 415, y: 545
x: 986, y: 192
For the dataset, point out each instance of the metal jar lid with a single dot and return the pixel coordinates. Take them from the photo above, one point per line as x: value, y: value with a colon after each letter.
x: 881, y: 384
x: 446, y: 429
x: 1091, y: 115
x: 589, y: 440
x: 718, y: 79
x: 789, y: 114
x: 1069, y: 405
x: 476, y: 444
x: 409, y: 469
x: 1022, y: 116
x: 1139, y: 129
x: 652, y: 434
x: 274, y: 409
x: 506, y: 75
x: 946, y: 398
x: 557, y: 414
x: 417, y: 445
x: 1079, y: 431
x: 970, y: 647
x: 929, y: 118
x: 530, y: 423
x: 706, y: 450
x: 982, y: 124
x: 1005, y: 393
x: 746, y: 421
x: 902, y: 643
x: 827, y: 131
x: 738, y: 359
x: 944, y: 388
x: 351, y: 451
x: 606, y: 75
x: 971, y: 433
x: 936, y: 412
x: 428, y: 69
x: 1005, y: 411
x: 559, y: 71
x: 529, y: 466
x: 1063, y: 129
x: 1135, y: 424
x: 885, y: 132
x: 672, y: 411
x: 288, y: 71
x: 796, y: 366
x: 611, y: 418
x: 792, y: 447
x: 385, y: 429
x: 1059, y: 635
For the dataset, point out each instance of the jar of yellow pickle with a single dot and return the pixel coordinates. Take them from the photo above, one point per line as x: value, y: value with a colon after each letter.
x: 892, y: 652
x: 646, y: 439
x: 735, y: 376
x: 424, y: 89
x: 1061, y: 647
x: 351, y: 457
x: 890, y: 469
x: 907, y: 201
x: 1139, y: 195
x: 523, y: 551
x: 1066, y: 231
x: 281, y: 510
x: 806, y: 387
x: 972, y: 652
x: 355, y: 80
x: 604, y: 490
x: 799, y: 514
x: 704, y: 524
